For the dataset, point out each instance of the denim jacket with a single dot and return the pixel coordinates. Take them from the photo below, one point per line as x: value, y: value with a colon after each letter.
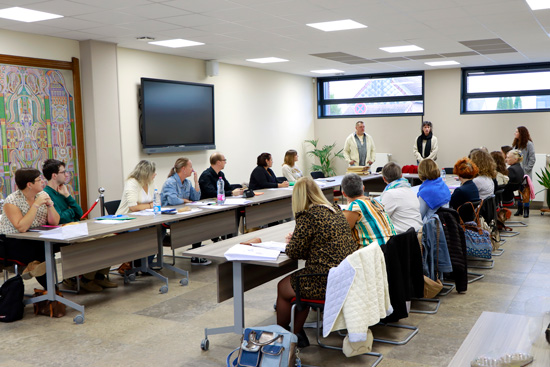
x: 429, y: 252
x: 173, y: 191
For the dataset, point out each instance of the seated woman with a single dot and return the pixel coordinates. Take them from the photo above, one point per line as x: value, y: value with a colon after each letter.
x: 262, y: 176
x: 366, y: 217
x: 433, y: 192
x: 466, y: 170
x: 138, y: 194
x: 178, y: 189
x: 26, y: 208
x: 484, y: 180
x: 290, y: 171
x: 515, y: 173
x: 322, y: 238
x: 502, y: 173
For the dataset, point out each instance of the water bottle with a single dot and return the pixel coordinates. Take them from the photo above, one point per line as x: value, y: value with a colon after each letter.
x: 156, y: 202
x: 220, y: 200
x: 443, y: 174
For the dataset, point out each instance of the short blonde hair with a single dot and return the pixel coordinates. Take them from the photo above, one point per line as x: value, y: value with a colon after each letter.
x: 143, y: 172
x: 516, y: 153
x: 428, y: 170
x: 307, y: 193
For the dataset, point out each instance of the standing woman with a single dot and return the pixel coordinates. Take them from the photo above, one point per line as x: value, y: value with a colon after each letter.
x: 28, y: 207
x: 426, y: 144
x: 262, y: 176
x: 323, y: 238
x: 523, y: 142
x: 290, y: 171
x: 139, y: 189
x: 178, y: 189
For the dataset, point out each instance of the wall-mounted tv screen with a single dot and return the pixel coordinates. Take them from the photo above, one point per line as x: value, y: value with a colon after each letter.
x: 176, y: 116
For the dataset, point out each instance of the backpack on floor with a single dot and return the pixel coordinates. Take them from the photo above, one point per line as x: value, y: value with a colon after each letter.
x: 11, y: 299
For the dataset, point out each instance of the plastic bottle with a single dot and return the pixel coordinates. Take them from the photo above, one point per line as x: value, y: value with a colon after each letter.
x: 443, y: 174
x: 156, y: 202
x: 220, y: 200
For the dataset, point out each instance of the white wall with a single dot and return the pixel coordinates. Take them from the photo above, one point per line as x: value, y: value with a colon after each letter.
x: 457, y: 134
x: 42, y: 47
x: 255, y: 111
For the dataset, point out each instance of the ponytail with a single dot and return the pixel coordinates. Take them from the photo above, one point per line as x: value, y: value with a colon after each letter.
x: 180, y: 163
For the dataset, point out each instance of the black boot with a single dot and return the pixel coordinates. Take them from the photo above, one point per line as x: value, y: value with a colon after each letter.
x: 520, y: 208
x: 303, y: 340
x: 526, y: 212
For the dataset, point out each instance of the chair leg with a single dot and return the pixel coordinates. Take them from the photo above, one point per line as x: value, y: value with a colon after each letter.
x: 497, y: 252
x: 428, y: 300
x: 491, y: 263
x: 398, y: 342
x: 476, y: 277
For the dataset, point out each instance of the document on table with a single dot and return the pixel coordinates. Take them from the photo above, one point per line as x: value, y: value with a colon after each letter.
x: 245, y: 252
x: 272, y: 245
x: 66, y: 232
x: 236, y: 201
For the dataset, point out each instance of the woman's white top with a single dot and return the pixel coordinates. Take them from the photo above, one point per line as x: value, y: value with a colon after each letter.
x: 134, y: 194
x: 292, y: 173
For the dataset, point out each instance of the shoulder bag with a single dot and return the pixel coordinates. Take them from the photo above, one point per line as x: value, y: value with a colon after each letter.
x: 478, y: 241
x: 265, y: 346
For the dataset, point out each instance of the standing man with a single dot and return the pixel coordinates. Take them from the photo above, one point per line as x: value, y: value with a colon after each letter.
x: 209, y: 179
x: 69, y: 211
x: 359, y: 149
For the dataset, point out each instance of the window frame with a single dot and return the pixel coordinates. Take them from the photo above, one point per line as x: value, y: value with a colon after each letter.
x: 502, y: 69
x: 322, y: 103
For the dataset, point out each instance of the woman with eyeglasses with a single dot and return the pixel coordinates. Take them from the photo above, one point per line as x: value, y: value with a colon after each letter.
x: 26, y: 208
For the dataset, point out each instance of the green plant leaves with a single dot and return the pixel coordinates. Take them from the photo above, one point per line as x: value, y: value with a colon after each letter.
x: 326, y: 157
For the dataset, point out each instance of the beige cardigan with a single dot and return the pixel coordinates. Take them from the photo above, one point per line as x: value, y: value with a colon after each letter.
x: 351, y: 153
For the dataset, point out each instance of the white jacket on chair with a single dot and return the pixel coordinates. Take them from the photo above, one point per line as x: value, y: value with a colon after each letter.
x: 357, y: 293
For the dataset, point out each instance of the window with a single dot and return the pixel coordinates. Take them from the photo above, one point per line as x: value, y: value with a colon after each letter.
x: 511, y: 88
x: 371, y: 95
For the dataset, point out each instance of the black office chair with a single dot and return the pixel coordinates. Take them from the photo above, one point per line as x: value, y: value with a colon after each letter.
x: 281, y: 179
x: 448, y: 170
x: 6, y: 261
x: 317, y: 174
x: 112, y: 206
x: 379, y: 169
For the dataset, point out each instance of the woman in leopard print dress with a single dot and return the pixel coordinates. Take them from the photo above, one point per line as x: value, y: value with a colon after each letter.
x: 323, y: 238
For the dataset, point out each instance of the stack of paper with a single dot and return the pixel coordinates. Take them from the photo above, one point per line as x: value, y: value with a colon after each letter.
x: 272, y: 245
x: 245, y: 252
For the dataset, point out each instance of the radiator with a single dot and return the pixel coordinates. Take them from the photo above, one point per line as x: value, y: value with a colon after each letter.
x: 540, y: 164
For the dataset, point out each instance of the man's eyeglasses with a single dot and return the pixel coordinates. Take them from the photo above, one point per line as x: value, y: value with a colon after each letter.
x: 61, y: 172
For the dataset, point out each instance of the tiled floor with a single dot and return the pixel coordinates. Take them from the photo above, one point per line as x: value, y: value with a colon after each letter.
x: 134, y: 325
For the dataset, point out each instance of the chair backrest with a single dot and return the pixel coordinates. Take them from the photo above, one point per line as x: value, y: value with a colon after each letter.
x: 489, y: 210
x: 448, y: 170
x: 112, y: 206
x: 317, y: 174
x: 281, y: 179
x: 379, y: 169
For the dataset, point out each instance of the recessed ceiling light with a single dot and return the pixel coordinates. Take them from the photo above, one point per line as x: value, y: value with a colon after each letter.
x: 538, y: 4
x: 442, y: 63
x: 407, y: 48
x: 176, y: 43
x: 327, y: 71
x: 26, y: 15
x: 337, y: 25
x: 267, y: 60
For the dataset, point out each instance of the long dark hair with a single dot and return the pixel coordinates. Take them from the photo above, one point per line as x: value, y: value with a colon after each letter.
x: 524, y: 137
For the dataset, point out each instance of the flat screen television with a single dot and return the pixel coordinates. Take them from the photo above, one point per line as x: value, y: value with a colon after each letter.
x: 176, y: 116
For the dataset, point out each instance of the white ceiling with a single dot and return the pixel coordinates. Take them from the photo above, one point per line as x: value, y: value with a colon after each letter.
x: 236, y: 30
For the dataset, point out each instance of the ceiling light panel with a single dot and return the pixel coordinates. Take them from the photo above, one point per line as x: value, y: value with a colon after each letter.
x: 442, y: 63
x: 407, y: 48
x: 267, y: 60
x: 176, y: 43
x: 337, y: 25
x: 327, y: 71
x: 538, y: 4
x: 26, y: 15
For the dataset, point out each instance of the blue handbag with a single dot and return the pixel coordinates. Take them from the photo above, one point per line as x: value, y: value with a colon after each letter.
x: 265, y: 346
x: 478, y: 240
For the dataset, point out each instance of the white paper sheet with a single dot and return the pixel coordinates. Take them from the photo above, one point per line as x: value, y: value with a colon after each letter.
x: 272, y: 245
x: 244, y: 252
x: 236, y: 201
x: 66, y: 232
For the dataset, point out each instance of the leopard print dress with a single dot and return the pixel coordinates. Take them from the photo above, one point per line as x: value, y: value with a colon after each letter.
x: 322, y: 238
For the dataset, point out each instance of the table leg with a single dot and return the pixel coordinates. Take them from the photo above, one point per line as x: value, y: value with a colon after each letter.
x: 238, y: 308
x: 160, y: 258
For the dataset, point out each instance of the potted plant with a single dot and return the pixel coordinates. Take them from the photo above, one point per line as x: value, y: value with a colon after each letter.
x: 326, y: 157
x: 544, y: 180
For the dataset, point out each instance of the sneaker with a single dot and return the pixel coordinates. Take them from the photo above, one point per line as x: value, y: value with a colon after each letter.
x: 105, y: 283
x: 200, y: 261
x: 70, y: 283
x: 34, y: 269
x: 90, y: 286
